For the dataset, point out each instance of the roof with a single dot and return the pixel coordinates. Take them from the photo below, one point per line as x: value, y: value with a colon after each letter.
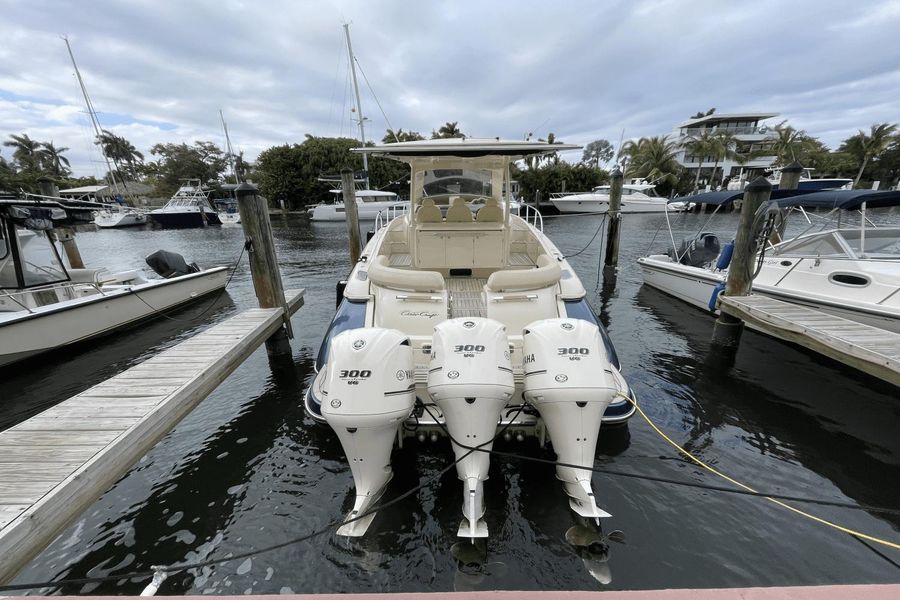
x: 466, y: 147
x: 719, y: 117
x: 85, y: 189
x: 367, y: 193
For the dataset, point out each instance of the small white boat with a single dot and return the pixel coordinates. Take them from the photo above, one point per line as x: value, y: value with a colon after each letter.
x: 851, y: 272
x: 120, y: 216
x: 636, y: 198
x: 228, y: 211
x: 44, y: 305
x: 467, y: 325
x: 368, y: 204
x: 189, y: 207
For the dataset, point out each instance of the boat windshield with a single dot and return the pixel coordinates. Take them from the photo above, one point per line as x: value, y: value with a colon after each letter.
x: 820, y: 245
x: 41, y: 264
x: 440, y: 184
x: 879, y: 243
x: 7, y: 266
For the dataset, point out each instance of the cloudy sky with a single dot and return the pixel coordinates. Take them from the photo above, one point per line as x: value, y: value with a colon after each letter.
x: 159, y: 70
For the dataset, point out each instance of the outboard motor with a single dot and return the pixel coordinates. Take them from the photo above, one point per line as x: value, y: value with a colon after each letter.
x: 470, y: 379
x: 568, y: 379
x: 369, y: 391
x: 170, y: 264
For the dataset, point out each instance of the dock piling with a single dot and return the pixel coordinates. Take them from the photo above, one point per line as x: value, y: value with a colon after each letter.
x: 348, y: 187
x: 64, y: 235
x: 611, y: 260
x: 263, y: 260
x: 727, y: 331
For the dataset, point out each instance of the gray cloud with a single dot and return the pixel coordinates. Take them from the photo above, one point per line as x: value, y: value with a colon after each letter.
x: 159, y: 71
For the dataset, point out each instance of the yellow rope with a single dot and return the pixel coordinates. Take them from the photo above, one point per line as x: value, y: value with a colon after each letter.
x: 711, y: 469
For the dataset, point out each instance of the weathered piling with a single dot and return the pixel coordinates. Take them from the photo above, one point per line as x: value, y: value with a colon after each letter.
x: 348, y: 187
x: 727, y: 331
x: 790, y: 180
x: 64, y: 235
x: 263, y: 260
x: 611, y: 260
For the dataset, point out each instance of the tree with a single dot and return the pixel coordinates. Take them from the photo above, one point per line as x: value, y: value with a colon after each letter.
x: 722, y: 147
x: 653, y: 159
x: 26, y: 151
x: 866, y: 147
x: 700, y: 114
x: 52, y: 159
x: 701, y: 147
x: 448, y: 130
x: 390, y: 136
x: 203, y: 160
x: 121, y: 152
x: 596, y: 152
x: 555, y: 177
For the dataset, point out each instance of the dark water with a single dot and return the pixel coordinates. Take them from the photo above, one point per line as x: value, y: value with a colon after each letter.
x: 248, y: 469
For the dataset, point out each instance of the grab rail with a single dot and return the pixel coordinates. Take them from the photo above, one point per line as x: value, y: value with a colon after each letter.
x: 388, y: 214
x: 532, y: 216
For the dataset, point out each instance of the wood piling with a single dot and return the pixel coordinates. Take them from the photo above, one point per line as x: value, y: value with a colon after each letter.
x: 727, y: 331
x: 260, y: 243
x: 616, y: 179
x: 348, y: 187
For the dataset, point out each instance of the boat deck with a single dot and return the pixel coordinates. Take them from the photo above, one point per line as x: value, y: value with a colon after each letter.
x: 55, y: 464
x: 869, y: 349
x: 466, y: 297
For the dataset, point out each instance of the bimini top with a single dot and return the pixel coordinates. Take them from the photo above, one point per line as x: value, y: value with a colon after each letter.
x: 465, y: 148
x: 844, y: 199
x: 726, y: 197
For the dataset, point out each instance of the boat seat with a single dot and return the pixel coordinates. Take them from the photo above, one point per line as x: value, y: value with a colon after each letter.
x: 428, y: 212
x: 380, y: 273
x: 546, y: 274
x: 490, y: 212
x: 459, y: 212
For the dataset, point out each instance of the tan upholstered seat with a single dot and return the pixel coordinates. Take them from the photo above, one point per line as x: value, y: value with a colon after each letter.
x: 546, y: 274
x: 459, y: 212
x: 428, y: 212
x: 490, y: 212
x: 404, y: 279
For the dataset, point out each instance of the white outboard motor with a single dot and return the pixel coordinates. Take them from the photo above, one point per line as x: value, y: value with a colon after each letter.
x: 369, y: 391
x: 471, y: 380
x: 568, y: 379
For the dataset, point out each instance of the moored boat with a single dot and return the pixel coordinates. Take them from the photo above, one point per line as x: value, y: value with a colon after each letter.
x: 189, y: 207
x: 636, y: 198
x: 119, y: 216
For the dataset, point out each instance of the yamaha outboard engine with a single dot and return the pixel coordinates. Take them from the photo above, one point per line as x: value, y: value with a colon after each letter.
x: 568, y: 379
x: 170, y: 264
x: 369, y: 391
x: 471, y: 380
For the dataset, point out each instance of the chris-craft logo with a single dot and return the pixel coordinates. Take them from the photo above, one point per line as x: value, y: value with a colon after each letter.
x: 419, y: 313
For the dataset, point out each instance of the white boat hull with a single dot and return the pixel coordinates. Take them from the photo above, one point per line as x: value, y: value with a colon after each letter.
x: 24, y: 334
x: 695, y: 286
x: 600, y: 205
x: 108, y: 220
x: 366, y: 211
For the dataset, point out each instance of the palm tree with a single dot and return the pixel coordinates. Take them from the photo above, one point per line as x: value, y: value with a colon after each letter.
x: 448, y: 130
x: 119, y: 150
x: 52, y: 157
x: 722, y: 147
x: 879, y: 138
x: 790, y: 144
x: 700, y: 146
x: 653, y: 159
x: 26, y: 151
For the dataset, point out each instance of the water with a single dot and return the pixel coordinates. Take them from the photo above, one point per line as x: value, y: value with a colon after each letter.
x: 247, y: 468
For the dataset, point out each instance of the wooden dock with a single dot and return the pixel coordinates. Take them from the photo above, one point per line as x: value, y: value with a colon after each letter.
x: 54, y: 465
x: 869, y: 349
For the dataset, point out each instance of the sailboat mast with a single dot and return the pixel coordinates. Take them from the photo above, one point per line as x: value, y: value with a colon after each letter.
x: 93, y: 115
x: 359, y: 113
x: 228, y: 147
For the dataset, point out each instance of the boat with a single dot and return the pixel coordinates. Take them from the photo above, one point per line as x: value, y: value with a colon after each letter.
x: 807, y: 181
x: 45, y: 305
x: 368, y: 204
x: 848, y: 270
x: 636, y: 198
x: 227, y: 209
x: 188, y: 207
x: 119, y: 216
x: 468, y: 327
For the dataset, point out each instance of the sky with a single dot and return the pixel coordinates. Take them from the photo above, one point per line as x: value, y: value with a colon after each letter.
x: 159, y: 71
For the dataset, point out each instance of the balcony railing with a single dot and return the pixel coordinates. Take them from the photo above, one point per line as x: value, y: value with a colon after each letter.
x: 698, y: 131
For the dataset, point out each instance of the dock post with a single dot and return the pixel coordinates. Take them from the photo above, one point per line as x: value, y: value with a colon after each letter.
x: 611, y: 260
x: 263, y: 261
x: 64, y: 235
x: 348, y: 187
x: 790, y: 180
x: 727, y: 331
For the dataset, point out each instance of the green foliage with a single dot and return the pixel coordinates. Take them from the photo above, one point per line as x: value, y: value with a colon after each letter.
x: 127, y: 159
x: 549, y: 178
x: 653, y: 159
x: 391, y: 136
x: 864, y: 147
x: 596, y: 152
x: 448, y: 130
x: 176, y: 162
x: 31, y: 160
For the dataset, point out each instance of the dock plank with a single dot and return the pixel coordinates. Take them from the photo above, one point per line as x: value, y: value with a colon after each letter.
x: 869, y: 349
x: 55, y: 464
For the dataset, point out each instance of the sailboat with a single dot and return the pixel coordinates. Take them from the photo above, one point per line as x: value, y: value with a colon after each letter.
x: 228, y: 209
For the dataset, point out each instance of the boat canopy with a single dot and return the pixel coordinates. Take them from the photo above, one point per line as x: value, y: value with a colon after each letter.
x: 844, y: 199
x: 726, y: 197
x: 465, y: 148
x: 374, y: 194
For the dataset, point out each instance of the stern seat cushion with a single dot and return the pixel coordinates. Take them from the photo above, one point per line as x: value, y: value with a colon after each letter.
x: 404, y: 279
x: 546, y: 274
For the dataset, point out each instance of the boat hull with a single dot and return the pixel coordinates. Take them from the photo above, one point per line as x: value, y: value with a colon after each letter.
x: 601, y: 206
x: 120, y: 220
x: 366, y: 211
x: 72, y: 321
x: 184, y: 220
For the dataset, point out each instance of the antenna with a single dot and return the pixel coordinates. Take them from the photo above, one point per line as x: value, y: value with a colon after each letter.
x: 359, y: 113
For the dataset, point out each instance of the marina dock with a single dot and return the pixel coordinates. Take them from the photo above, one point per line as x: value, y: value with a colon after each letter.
x: 870, y: 349
x: 55, y: 464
